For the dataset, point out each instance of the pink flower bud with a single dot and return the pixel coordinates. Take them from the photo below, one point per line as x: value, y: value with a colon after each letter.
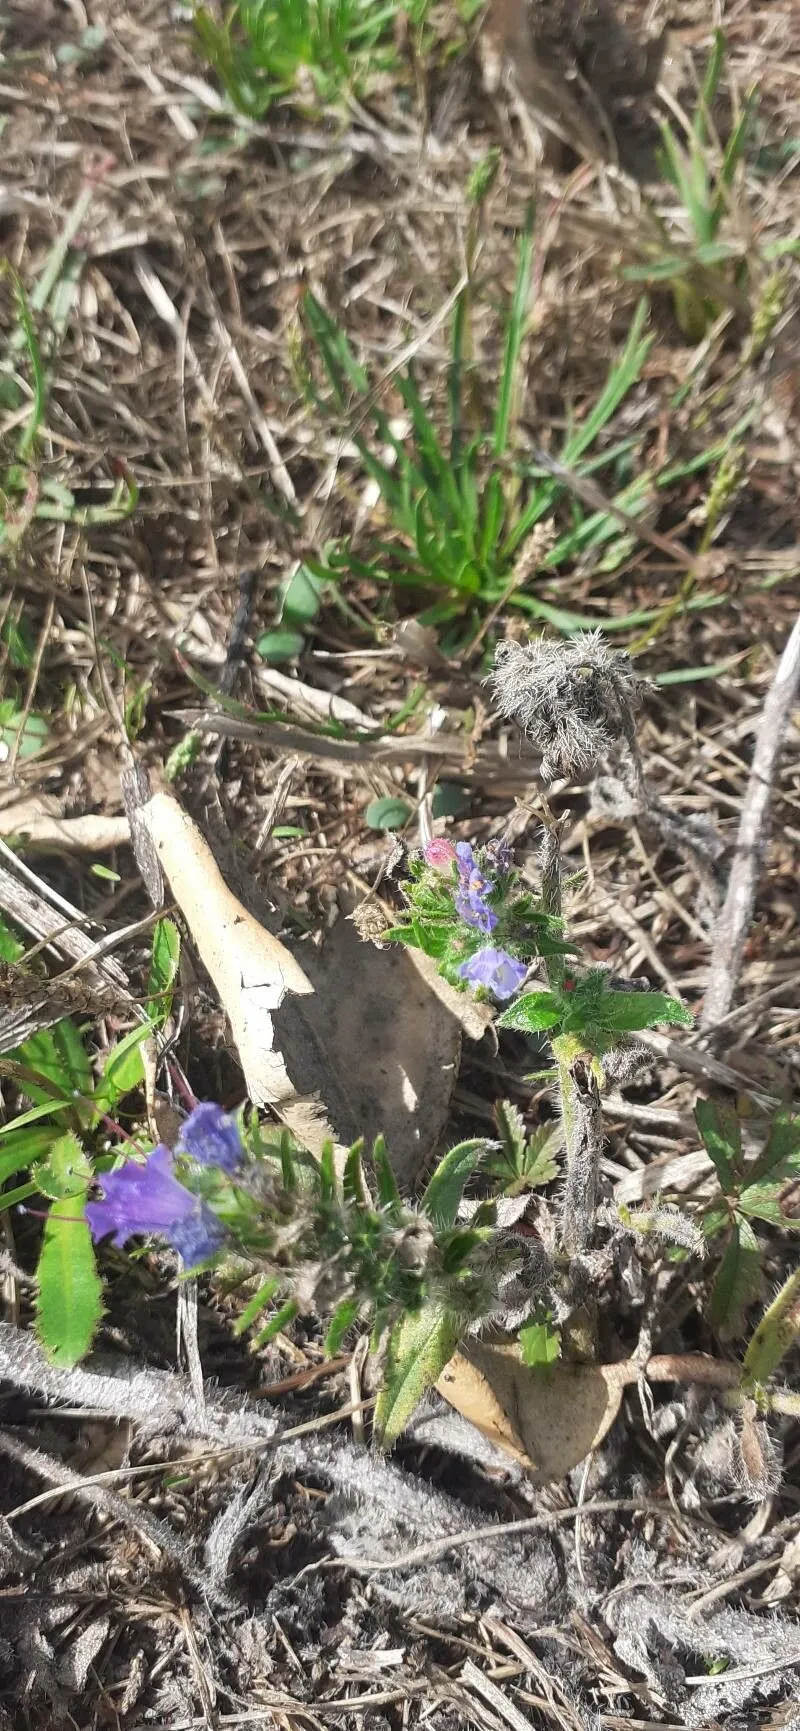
x: 439, y: 854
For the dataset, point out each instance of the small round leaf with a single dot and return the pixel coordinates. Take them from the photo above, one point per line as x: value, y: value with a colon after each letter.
x: 280, y: 645
x: 387, y: 813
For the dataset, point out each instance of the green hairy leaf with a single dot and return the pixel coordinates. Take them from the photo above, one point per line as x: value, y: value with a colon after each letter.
x: 738, y: 1282
x: 421, y: 1344
x: 385, y: 1181
x: 627, y: 1012
x: 69, y: 1304
x: 344, y: 1316
x: 446, y: 1188
x: 67, y: 1171
x: 532, y: 1013
x: 776, y: 1333
x: 281, y: 1319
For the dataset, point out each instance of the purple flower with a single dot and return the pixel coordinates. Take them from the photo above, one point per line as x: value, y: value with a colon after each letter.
x: 467, y: 864
x: 474, y: 886
x: 474, y: 911
x: 499, y: 855
x: 439, y: 853
x: 145, y: 1199
x: 501, y: 973
x: 211, y: 1138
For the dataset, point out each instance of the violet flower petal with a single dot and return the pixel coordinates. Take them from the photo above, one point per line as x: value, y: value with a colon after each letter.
x: 140, y: 1200
x: 211, y: 1138
x: 474, y: 911
x: 197, y: 1235
x: 495, y: 969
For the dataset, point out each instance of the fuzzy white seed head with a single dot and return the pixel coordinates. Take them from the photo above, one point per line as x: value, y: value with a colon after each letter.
x: 572, y: 699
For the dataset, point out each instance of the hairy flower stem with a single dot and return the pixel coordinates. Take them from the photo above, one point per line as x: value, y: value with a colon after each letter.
x: 583, y: 1133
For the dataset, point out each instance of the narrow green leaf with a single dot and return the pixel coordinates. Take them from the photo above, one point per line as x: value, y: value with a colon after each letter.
x: 738, y: 1282
x: 721, y: 1132
x: 256, y: 1304
x: 164, y: 964
x: 23, y: 1148
x: 445, y: 1188
x: 12, y: 1198
x: 327, y: 1172
x: 281, y: 1319
x: 122, y: 1072
x: 386, y: 1183
x: 289, y: 1170
x: 532, y: 1013
x: 70, y: 1297
x: 515, y: 334
x: 421, y: 1344
x: 710, y: 86
x: 776, y: 1333
x: 343, y: 1318
x: 623, y: 375
x: 353, y: 1185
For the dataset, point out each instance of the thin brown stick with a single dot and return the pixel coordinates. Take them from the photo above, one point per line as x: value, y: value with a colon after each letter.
x: 737, y: 910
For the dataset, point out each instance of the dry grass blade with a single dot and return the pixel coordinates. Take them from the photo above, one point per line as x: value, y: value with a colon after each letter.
x: 735, y: 916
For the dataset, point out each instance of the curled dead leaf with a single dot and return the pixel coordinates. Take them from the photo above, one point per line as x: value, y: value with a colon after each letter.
x: 252, y: 970
x: 548, y: 1419
x: 390, y: 1038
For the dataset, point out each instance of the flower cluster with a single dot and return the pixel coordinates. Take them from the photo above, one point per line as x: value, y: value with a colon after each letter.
x: 491, y: 966
x: 473, y: 888
x: 144, y: 1198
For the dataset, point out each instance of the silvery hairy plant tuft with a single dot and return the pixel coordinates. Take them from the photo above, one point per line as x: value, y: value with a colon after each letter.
x: 574, y: 700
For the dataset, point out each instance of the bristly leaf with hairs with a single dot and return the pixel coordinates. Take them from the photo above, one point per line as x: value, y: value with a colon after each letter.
x: 591, y: 1013
x: 777, y: 1332
x: 737, y: 1283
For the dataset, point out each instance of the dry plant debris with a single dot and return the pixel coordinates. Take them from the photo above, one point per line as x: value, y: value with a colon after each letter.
x: 200, y: 1536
